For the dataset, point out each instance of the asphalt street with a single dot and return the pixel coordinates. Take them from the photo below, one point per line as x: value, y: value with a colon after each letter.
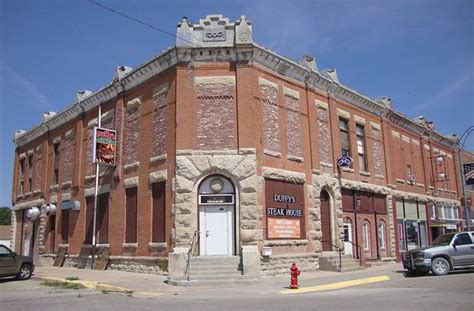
x: 451, y: 292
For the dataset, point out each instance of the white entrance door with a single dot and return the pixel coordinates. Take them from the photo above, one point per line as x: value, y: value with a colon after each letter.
x: 217, y: 230
x: 347, y: 238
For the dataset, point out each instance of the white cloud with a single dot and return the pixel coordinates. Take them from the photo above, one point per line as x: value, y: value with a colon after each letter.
x: 454, y: 86
x: 21, y: 87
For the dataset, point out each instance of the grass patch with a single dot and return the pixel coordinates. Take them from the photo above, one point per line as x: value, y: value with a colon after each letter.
x: 72, y: 278
x: 61, y: 284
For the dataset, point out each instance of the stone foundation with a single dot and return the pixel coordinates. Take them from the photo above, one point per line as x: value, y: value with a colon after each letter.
x: 148, y: 265
x: 280, y: 264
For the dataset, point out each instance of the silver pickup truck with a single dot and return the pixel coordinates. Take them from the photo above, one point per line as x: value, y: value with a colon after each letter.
x: 448, y: 252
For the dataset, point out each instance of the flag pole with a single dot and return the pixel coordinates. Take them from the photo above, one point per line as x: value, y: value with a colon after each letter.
x: 96, y: 194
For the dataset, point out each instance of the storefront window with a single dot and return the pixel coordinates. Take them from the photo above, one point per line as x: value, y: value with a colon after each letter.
x: 381, y: 232
x: 411, y: 220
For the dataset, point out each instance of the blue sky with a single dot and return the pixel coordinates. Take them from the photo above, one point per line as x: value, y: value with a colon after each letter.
x: 419, y: 52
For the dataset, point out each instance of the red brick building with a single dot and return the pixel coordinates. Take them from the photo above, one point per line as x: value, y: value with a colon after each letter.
x: 222, y: 139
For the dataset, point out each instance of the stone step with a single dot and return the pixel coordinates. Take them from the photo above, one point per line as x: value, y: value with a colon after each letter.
x: 214, y: 269
x: 216, y: 259
x: 226, y: 282
x: 331, y: 263
x: 352, y: 268
x: 207, y: 275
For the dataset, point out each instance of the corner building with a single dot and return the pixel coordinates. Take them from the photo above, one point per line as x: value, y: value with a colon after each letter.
x: 230, y: 148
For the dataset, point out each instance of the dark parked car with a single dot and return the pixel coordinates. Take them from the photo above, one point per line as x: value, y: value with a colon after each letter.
x: 12, y: 264
x: 448, y: 252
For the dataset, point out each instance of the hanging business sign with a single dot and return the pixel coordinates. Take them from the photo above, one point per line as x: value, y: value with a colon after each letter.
x: 469, y: 173
x: 104, y: 146
x: 344, y: 161
x: 283, y: 228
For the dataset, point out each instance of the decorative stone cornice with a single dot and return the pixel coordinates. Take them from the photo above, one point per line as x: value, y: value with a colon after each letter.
x: 250, y: 53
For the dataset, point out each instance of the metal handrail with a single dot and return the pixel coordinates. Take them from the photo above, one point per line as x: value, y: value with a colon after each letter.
x: 192, y: 251
x: 340, y: 255
x: 359, y: 252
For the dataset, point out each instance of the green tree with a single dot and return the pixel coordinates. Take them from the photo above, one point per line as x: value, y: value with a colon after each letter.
x: 5, y: 216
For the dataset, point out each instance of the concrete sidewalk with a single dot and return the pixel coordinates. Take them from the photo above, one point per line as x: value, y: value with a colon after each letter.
x: 154, y: 285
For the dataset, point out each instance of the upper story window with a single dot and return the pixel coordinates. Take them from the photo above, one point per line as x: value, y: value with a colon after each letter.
x: 366, y: 236
x: 22, y: 176
x: 381, y: 235
x: 56, y: 164
x: 361, y: 152
x: 433, y: 211
x: 345, y: 139
x: 30, y: 173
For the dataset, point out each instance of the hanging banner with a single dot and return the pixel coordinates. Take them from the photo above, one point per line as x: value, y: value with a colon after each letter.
x: 469, y: 173
x: 104, y: 146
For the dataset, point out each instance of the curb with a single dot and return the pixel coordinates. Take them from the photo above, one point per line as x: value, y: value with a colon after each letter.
x: 90, y: 284
x: 337, y: 285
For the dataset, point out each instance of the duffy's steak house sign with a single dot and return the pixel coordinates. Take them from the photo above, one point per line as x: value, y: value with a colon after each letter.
x: 284, y: 222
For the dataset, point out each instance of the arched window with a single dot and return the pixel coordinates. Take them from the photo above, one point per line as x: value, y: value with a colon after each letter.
x: 365, y: 235
x: 381, y: 234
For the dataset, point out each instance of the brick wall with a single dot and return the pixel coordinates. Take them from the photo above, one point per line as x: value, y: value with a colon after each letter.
x: 271, y: 124
x: 160, y: 114
x: 377, y: 150
x: 293, y: 128
x: 69, y: 156
x: 324, y: 134
x: 131, y: 134
x: 38, y: 167
x: 215, y: 117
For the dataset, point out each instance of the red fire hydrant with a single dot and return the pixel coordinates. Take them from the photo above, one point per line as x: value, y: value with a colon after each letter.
x: 294, y: 272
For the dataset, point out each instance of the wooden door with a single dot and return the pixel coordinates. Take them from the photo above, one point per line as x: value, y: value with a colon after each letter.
x: 325, y: 221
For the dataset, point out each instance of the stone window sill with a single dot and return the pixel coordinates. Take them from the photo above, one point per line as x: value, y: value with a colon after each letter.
x: 285, y: 242
x: 272, y: 153
x: 158, y: 158
x: 295, y: 159
x: 325, y: 164
x: 130, y: 167
x: 364, y: 173
x: 130, y: 245
x: 400, y: 181
x: 347, y: 169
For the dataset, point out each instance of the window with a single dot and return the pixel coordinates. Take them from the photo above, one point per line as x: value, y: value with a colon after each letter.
x: 361, y: 148
x: 4, y: 251
x: 463, y: 239
x: 103, y: 218
x: 433, y: 211
x: 365, y: 235
x: 56, y: 165
x: 158, y: 212
x: 131, y: 215
x: 345, y: 140
x: 22, y: 176
x: 65, y: 226
x: 30, y: 173
x: 381, y: 232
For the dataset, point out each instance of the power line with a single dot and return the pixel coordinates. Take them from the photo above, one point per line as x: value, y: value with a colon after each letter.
x: 139, y: 21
